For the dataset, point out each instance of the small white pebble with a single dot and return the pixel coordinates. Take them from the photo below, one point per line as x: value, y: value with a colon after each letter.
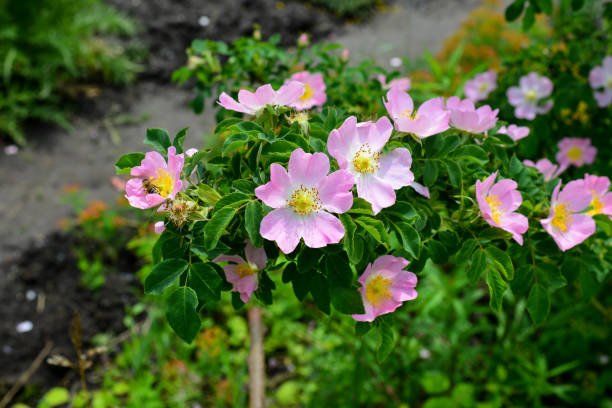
x: 24, y: 326
x: 30, y: 295
x: 395, y: 62
x: 11, y: 150
x: 204, y: 21
x: 425, y: 354
x: 604, y: 359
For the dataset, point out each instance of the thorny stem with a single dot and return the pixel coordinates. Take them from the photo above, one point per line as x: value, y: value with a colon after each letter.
x: 257, y: 372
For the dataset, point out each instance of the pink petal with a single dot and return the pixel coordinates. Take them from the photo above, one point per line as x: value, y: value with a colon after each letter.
x: 265, y: 95
x: 230, y: 103
x: 277, y: 191
x: 321, y: 229
x: 341, y: 140
x: 255, y: 256
x: 284, y: 227
x: 159, y: 227
x: 576, y: 195
x: 421, y: 189
x: 335, y: 191
x: 395, y: 168
x: 250, y: 101
x: 308, y: 169
x: 376, y: 192
x: 289, y: 93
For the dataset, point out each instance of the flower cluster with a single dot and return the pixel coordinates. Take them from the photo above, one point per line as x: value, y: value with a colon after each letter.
x: 601, y: 77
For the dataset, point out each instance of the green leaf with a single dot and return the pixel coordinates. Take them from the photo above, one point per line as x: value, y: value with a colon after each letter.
x: 301, y: 284
x: 471, y: 152
x: 164, y: 274
x: 158, y: 139
x: 546, y: 6
x: 289, y: 273
x: 252, y: 220
x: 465, y: 253
x: 550, y: 276
x: 179, y: 139
x: 529, y: 17
x: 514, y: 10
x: 205, y: 281
x: 338, y: 270
x: 538, y: 303
x: 215, y: 227
x: 320, y: 292
x: 411, y: 240
x: 208, y: 194
x: 449, y: 144
x: 403, y: 210
x: 375, y: 228
x: 362, y: 328
x: 127, y: 161
x: 522, y: 280
x: 497, y: 288
x: 232, y: 200
x: 430, y: 174
x: 347, y: 300
x: 308, y: 259
x: 197, y: 103
x: 350, y: 238
x: 454, y: 173
x: 386, y: 343
x: 501, y: 258
x: 577, y: 5
x: 234, y: 142
x: 437, y: 252
x: 181, y: 314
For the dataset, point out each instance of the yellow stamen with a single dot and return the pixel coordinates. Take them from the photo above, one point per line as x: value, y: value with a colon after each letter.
x: 494, y: 204
x: 377, y: 290
x: 574, y: 153
x: 308, y: 92
x: 163, y: 182
x: 365, y: 161
x: 409, y: 114
x: 531, y: 96
x: 596, y: 203
x: 244, y: 270
x: 483, y: 87
x: 305, y: 200
x: 563, y: 217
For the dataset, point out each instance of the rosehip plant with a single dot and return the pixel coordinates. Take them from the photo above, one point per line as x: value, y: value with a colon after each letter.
x: 349, y: 210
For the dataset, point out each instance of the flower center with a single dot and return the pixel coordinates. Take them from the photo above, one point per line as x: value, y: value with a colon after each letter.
x: 609, y: 82
x: 574, y: 153
x: 409, y: 114
x: 483, y: 87
x: 531, y: 96
x: 305, y: 200
x: 494, y: 204
x: 562, y: 217
x: 244, y: 270
x: 596, y: 203
x: 377, y: 290
x: 162, y: 181
x: 308, y: 91
x: 365, y: 161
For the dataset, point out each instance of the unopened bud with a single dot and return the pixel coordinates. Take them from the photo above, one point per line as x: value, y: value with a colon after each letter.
x: 303, y: 40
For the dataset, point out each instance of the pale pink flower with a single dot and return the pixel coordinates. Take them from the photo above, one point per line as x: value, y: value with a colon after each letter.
x: 479, y: 88
x: 159, y: 227
x: 431, y: 117
x: 464, y: 115
x: 601, y: 198
x: 576, y: 152
x: 527, y: 96
x: 155, y: 181
x: 314, y: 90
x: 191, y: 152
x: 303, y: 41
x: 253, y: 102
x: 357, y: 147
x: 547, y: 168
x: 384, y: 286
x: 601, y: 77
x: 303, y: 199
x: 345, y: 55
x: 516, y: 133
x: 566, y: 226
x: 421, y: 189
x: 243, y: 274
x: 403, y: 84
x: 497, y: 204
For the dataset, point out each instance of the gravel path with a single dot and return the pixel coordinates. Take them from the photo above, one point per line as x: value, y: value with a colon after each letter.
x: 32, y: 181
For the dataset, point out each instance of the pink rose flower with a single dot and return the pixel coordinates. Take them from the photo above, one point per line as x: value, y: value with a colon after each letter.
x: 431, y: 117
x: 526, y: 97
x: 601, y: 198
x: 303, y: 40
x: 384, y: 286
x: 566, y: 226
x: 403, y: 84
x: 345, y: 55
x: 464, y: 116
x: 516, y: 133
x: 155, y: 181
x: 314, y: 90
x: 497, y: 203
x: 576, y: 152
x: 601, y: 77
x: 547, y: 168
x: 303, y: 199
x: 479, y: 88
x: 357, y: 147
x: 243, y: 274
x: 253, y: 102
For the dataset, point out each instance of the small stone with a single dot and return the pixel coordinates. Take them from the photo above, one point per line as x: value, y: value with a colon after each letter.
x: 30, y: 295
x: 24, y: 326
x: 204, y: 21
